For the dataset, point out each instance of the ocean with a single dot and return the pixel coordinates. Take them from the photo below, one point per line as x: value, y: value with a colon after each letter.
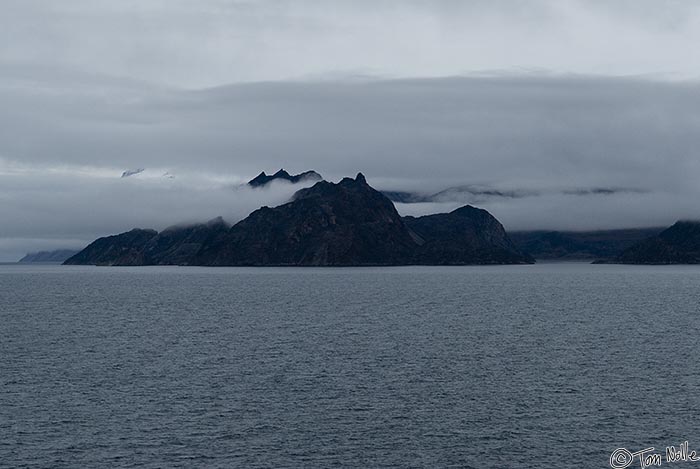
x: 533, y: 366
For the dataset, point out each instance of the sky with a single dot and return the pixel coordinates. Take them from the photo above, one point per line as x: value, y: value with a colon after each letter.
x: 582, y: 114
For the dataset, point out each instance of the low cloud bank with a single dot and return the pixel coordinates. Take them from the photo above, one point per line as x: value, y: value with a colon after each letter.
x: 50, y: 210
x: 64, y: 143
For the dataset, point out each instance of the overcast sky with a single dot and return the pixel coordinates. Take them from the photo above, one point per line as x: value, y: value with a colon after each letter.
x: 587, y: 112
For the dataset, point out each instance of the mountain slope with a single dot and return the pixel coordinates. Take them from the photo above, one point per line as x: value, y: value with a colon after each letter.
x: 679, y: 244
x: 121, y: 249
x: 180, y: 245
x: 467, y: 235
x: 348, y: 223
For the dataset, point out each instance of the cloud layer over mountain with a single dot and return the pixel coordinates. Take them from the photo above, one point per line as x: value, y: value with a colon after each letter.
x: 588, y: 110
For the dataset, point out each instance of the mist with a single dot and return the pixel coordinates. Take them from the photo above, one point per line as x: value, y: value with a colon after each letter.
x: 561, y: 137
x: 542, y: 99
x: 51, y: 209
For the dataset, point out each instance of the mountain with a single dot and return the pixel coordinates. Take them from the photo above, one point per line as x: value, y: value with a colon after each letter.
x: 679, y: 244
x: 177, y: 245
x: 59, y: 255
x: 343, y: 224
x: 579, y: 245
x: 467, y: 235
x: 180, y: 245
x: 348, y: 223
x: 263, y: 179
x: 121, y: 249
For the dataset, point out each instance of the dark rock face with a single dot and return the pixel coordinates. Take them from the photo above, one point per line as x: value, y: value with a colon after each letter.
x: 467, y: 235
x: 348, y: 223
x: 344, y: 224
x: 579, y: 245
x: 263, y: 179
x: 121, y: 249
x: 180, y: 245
x: 59, y: 255
x: 679, y: 244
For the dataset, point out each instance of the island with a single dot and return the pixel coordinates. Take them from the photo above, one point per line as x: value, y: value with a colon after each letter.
x: 348, y: 223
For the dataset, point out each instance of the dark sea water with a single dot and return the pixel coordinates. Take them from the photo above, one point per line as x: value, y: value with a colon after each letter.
x: 552, y: 365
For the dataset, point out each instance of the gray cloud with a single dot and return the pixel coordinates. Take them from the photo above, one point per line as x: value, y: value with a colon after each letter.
x: 556, y: 136
x: 517, y: 131
x: 47, y: 208
x: 553, y: 99
x: 212, y: 42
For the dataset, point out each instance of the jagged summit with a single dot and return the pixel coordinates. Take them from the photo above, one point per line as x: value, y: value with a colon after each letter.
x: 345, y: 223
x: 346, y: 185
x: 263, y: 179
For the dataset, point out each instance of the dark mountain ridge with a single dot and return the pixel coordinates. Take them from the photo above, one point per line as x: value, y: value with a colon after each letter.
x: 348, y: 223
x: 343, y: 224
x: 263, y: 179
x: 467, y: 235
